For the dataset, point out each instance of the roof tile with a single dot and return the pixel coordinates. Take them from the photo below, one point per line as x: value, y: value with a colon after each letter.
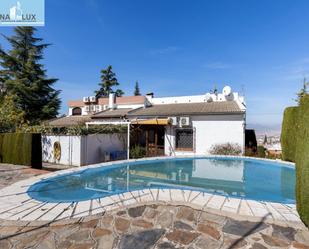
x: 188, y: 109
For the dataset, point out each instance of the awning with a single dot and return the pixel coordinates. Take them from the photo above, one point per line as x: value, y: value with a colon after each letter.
x: 157, y: 121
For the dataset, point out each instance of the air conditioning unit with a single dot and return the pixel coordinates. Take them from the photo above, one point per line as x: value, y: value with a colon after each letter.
x: 86, y: 99
x: 172, y: 120
x: 184, y: 121
x: 92, y: 99
x: 87, y: 108
x: 98, y: 108
x: 93, y: 108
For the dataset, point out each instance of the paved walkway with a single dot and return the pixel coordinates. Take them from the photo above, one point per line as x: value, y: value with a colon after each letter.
x: 13, y: 173
x: 153, y: 226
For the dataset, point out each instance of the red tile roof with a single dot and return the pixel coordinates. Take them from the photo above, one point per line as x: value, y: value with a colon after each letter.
x: 129, y: 100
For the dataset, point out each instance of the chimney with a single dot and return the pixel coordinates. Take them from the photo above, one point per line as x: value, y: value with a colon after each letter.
x: 149, y: 95
x: 111, y: 101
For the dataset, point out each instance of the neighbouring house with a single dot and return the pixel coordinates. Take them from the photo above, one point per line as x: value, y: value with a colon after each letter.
x: 273, y: 150
x: 184, y: 125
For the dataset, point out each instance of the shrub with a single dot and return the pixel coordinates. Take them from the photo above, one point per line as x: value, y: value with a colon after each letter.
x: 11, y: 117
x: 261, y: 151
x: 21, y: 149
x: 295, y: 147
x: 289, y: 133
x: 226, y: 149
x: 250, y: 152
x: 137, y: 152
x: 302, y: 161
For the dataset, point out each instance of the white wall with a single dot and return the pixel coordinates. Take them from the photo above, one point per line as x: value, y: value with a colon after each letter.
x: 218, y: 129
x: 100, y: 108
x: 82, y: 150
x: 196, y: 99
x: 169, y: 141
x: 209, y: 130
x: 70, y: 149
x: 95, y: 146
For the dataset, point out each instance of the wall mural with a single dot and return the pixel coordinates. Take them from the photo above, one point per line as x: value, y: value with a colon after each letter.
x: 57, y: 150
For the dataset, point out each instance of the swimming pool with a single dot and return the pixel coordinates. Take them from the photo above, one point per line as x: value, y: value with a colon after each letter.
x: 235, y: 177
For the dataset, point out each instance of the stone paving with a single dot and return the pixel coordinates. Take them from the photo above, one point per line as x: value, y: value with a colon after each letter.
x: 156, y: 226
x: 13, y: 173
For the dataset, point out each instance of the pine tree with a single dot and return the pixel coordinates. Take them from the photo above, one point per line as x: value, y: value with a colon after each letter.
x: 108, y: 81
x: 136, y: 89
x: 24, y: 77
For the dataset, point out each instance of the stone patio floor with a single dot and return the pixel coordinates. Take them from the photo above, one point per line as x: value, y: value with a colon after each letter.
x: 155, y: 225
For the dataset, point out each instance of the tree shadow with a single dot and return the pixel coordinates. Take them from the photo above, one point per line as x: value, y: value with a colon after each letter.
x: 252, y: 230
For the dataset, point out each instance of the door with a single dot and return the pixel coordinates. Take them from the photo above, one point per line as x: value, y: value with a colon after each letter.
x: 155, y: 141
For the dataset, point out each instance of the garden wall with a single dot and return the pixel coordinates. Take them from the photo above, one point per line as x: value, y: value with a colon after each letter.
x: 82, y: 150
x: 295, y: 135
x: 21, y: 149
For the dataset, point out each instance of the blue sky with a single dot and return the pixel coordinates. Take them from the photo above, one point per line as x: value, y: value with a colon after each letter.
x: 175, y: 47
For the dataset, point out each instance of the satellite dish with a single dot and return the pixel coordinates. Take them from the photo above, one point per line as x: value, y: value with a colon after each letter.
x: 227, y: 90
x: 208, y: 97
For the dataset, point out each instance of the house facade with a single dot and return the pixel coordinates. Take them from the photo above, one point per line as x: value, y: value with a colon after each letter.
x: 185, y: 125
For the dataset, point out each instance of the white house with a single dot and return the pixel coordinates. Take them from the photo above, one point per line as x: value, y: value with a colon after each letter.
x: 168, y: 125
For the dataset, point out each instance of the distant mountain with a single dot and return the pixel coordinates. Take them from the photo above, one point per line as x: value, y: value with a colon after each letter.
x: 270, y: 130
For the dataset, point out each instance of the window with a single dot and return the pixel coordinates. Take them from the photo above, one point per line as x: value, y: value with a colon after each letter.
x: 77, y: 111
x: 184, y: 139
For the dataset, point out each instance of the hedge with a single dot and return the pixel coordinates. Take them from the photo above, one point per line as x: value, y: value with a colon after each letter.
x: 295, y: 147
x: 21, y: 149
x: 302, y: 161
x: 289, y: 133
x: 76, y: 130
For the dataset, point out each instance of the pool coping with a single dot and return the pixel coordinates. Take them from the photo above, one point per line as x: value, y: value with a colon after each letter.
x: 17, y: 205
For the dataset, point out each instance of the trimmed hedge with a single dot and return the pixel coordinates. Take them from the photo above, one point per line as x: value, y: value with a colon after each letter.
x: 295, y: 147
x: 21, y: 149
x: 289, y: 133
x: 302, y: 161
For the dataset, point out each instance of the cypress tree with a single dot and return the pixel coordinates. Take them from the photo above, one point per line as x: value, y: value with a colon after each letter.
x: 303, y: 91
x: 108, y: 81
x: 24, y: 77
x: 265, y: 139
x: 136, y: 89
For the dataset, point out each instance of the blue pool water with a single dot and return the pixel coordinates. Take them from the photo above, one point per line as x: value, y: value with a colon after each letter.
x: 246, y: 178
